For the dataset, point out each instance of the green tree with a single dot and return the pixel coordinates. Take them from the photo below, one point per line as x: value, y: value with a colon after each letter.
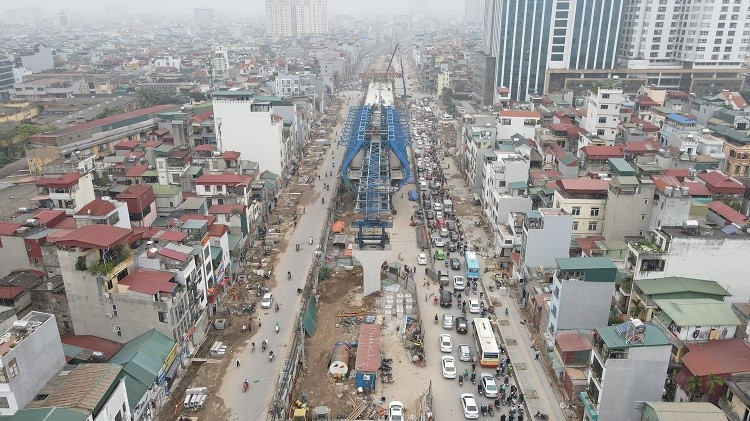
x: 197, y: 96
x: 13, y: 135
x: 108, y: 112
x: 712, y: 382
x: 637, y: 309
x: 148, y: 97
x: 693, y: 385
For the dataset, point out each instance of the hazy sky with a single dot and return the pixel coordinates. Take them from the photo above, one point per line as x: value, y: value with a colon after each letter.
x: 243, y: 7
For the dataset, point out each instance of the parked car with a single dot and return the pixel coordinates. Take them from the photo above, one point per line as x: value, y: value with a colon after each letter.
x: 267, y: 300
x: 469, y: 405
x: 462, y: 324
x: 446, y: 343
x: 474, y: 306
x: 464, y: 353
x: 455, y: 264
x: 449, y: 367
x: 422, y: 258
x: 447, y: 321
x: 395, y: 411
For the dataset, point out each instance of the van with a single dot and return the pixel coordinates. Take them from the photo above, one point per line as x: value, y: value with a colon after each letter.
x: 423, y: 185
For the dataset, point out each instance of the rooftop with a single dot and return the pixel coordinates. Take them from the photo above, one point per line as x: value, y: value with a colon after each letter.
x: 583, y: 185
x: 574, y: 264
x: 718, y: 357
x: 519, y: 113
x: 97, y: 236
x: 48, y: 414
x: 110, y: 120
x: 679, y: 118
x: 63, y: 181
x: 653, y: 336
x: 696, y: 312
x: 84, y: 387
x: 726, y: 212
x: 718, y: 182
x: 97, y: 207
x: 676, y: 285
x: 682, y: 411
x: 574, y: 340
x: 91, y: 343
x: 149, y: 281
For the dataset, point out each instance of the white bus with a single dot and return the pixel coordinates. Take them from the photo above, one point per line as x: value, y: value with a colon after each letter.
x: 488, y: 353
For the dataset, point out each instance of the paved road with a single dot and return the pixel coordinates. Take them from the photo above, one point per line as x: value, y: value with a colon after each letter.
x: 263, y: 375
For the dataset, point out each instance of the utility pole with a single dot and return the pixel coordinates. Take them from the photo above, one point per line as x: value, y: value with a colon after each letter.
x: 302, y: 341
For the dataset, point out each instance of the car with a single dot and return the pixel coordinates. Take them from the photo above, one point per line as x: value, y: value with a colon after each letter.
x: 267, y: 300
x: 429, y: 214
x: 447, y: 321
x: 449, y: 367
x: 474, y: 306
x: 439, y: 214
x: 446, y: 299
x: 437, y: 206
x: 453, y: 235
x: 489, y: 387
x: 452, y: 246
x: 438, y: 241
x: 455, y: 264
x: 446, y: 343
x: 395, y: 411
x: 422, y: 258
x: 462, y: 324
x: 464, y: 353
x: 458, y: 283
x: 444, y: 232
x: 469, y: 405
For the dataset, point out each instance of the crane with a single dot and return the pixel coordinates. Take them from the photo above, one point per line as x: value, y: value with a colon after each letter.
x: 389, y: 64
x: 403, y: 76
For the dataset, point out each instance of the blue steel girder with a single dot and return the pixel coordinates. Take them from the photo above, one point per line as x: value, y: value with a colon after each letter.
x: 398, y: 141
x: 354, y: 135
x: 374, y: 192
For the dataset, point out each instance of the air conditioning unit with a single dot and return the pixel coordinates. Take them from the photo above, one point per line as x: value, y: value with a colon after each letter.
x: 117, y: 328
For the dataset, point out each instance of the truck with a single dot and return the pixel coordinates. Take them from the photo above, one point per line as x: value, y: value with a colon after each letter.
x: 443, y: 277
x: 447, y: 206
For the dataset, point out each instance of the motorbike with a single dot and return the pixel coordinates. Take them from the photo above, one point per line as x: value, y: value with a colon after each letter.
x: 436, y: 319
x: 541, y: 416
x: 299, y: 290
x: 484, y: 409
x: 263, y: 345
x: 270, y: 356
x: 473, y: 378
x: 297, y: 247
x: 460, y: 380
x: 323, y: 200
x: 490, y: 411
x: 277, y: 307
x: 277, y: 327
x: 289, y: 275
x: 245, y: 386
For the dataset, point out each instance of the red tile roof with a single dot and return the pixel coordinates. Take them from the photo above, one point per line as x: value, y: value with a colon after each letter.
x: 97, y: 236
x: 519, y: 113
x: 678, y: 173
x: 169, y: 235
x: 201, y: 117
x: 50, y: 217
x: 583, y: 185
x: 10, y: 292
x: 726, y: 212
x: 67, y: 223
x: 602, y: 152
x: 646, y: 101
x: 138, y: 197
x: 110, y: 120
x: 92, y: 343
x: 697, y: 189
x: 149, y: 281
x: 97, y: 207
x: 226, y: 209
x: 717, y: 182
x: 646, y: 126
x: 663, y: 181
x: 217, y: 230
x: 572, y: 341
x: 718, y: 357
x: 205, y: 148
x: 735, y: 98
x: 210, y: 219
x: 231, y: 155
x: 172, y: 254
x: 587, y: 243
x: 67, y: 180
x: 136, y: 171
x: 152, y: 144
x: 126, y: 145
x: 9, y: 228
x: 642, y: 147
x: 228, y: 179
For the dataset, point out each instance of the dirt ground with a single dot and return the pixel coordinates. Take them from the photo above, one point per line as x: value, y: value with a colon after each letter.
x: 340, y: 294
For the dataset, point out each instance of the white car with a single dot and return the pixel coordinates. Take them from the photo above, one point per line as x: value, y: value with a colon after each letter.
x: 439, y: 242
x: 446, y: 343
x: 474, y: 306
x: 395, y: 411
x: 447, y: 321
x: 464, y: 352
x: 437, y: 206
x: 267, y: 300
x: 439, y: 214
x: 458, y: 283
x: 489, y: 387
x: 469, y: 405
x: 422, y: 258
x: 449, y: 367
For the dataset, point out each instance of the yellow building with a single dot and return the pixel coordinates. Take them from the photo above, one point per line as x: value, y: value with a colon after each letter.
x: 18, y: 112
x: 443, y: 81
x: 586, y: 200
x: 736, y: 151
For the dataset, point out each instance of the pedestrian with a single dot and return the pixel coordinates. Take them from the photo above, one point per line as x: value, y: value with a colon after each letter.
x: 537, y: 355
x: 258, y: 323
x: 238, y: 362
x: 473, y: 365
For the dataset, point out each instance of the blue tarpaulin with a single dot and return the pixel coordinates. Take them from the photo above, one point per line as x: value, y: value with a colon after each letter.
x: 413, y: 195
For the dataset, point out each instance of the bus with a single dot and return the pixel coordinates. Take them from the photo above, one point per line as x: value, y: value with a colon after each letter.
x: 472, y: 266
x: 488, y: 353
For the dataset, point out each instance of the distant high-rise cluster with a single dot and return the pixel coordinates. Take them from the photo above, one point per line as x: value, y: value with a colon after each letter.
x: 203, y: 16
x: 473, y: 11
x: 288, y: 18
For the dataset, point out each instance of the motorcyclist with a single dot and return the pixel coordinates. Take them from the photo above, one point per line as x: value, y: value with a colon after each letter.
x: 277, y: 307
x: 289, y: 275
x: 264, y: 344
x: 270, y: 355
x: 277, y: 327
x: 253, y: 346
x: 436, y: 318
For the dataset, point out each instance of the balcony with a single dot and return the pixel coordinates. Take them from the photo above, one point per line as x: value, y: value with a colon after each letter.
x: 111, y: 263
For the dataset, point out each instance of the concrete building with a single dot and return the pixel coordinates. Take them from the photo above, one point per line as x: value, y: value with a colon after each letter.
x: 295, y: 85
x: 628, y: 364
x: 684, y: 251
x: 168, y: 61
x: 103, y: 211
x: 582, y: 290
x: 31, y: 355
x: 250, y: 126
x: 736, y: 150
x: 6, y: 78
x: 38, y: 61
x: 141, y: 204
x: 545, y: 238
x: 473, y: 11
x: 603, y: 112
x: 517, y: 122
x: 204, y: 16
x: 629, y: 202
x: 527, y: 38
x: 311, y: 17
x: 586, y: 200
x: 69, y: 192
x: 479, y: 140
x: 280, y: 19
x: 671, y: 202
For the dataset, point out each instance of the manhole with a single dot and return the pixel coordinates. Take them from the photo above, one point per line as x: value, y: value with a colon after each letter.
x: 503, y: 322
x: 530, y: 394
x: 519, y: 366
x: 511, y: 342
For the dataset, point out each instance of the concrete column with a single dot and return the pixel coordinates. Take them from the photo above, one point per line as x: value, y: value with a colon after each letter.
x: 371, y: 261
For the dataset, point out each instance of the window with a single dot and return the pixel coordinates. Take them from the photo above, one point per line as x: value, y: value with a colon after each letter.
x: 114, y: 310
x: 575, y: 225
x: 600, y: 132
x: 28, y: 247
x: 605, y: 96
x: 12, y: 368
x: 505, y: 122
x: 594, y: 211
x: 593, y: 225
x: 602, y: 119
x: 162, y: 316
x: 645, y: 201
x: 604, y: 107
x: 576, y: 210
x: 4, y: 403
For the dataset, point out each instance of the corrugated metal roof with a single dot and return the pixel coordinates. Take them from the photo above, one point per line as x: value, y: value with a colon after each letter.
x: 687, y: 312
x: 368, y: 348
x: 48, y: 414
x: 682, y: 411
x: 718, y: 357
x: 144, y: 355
x: 86, y: 387
x: 675, y: 284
